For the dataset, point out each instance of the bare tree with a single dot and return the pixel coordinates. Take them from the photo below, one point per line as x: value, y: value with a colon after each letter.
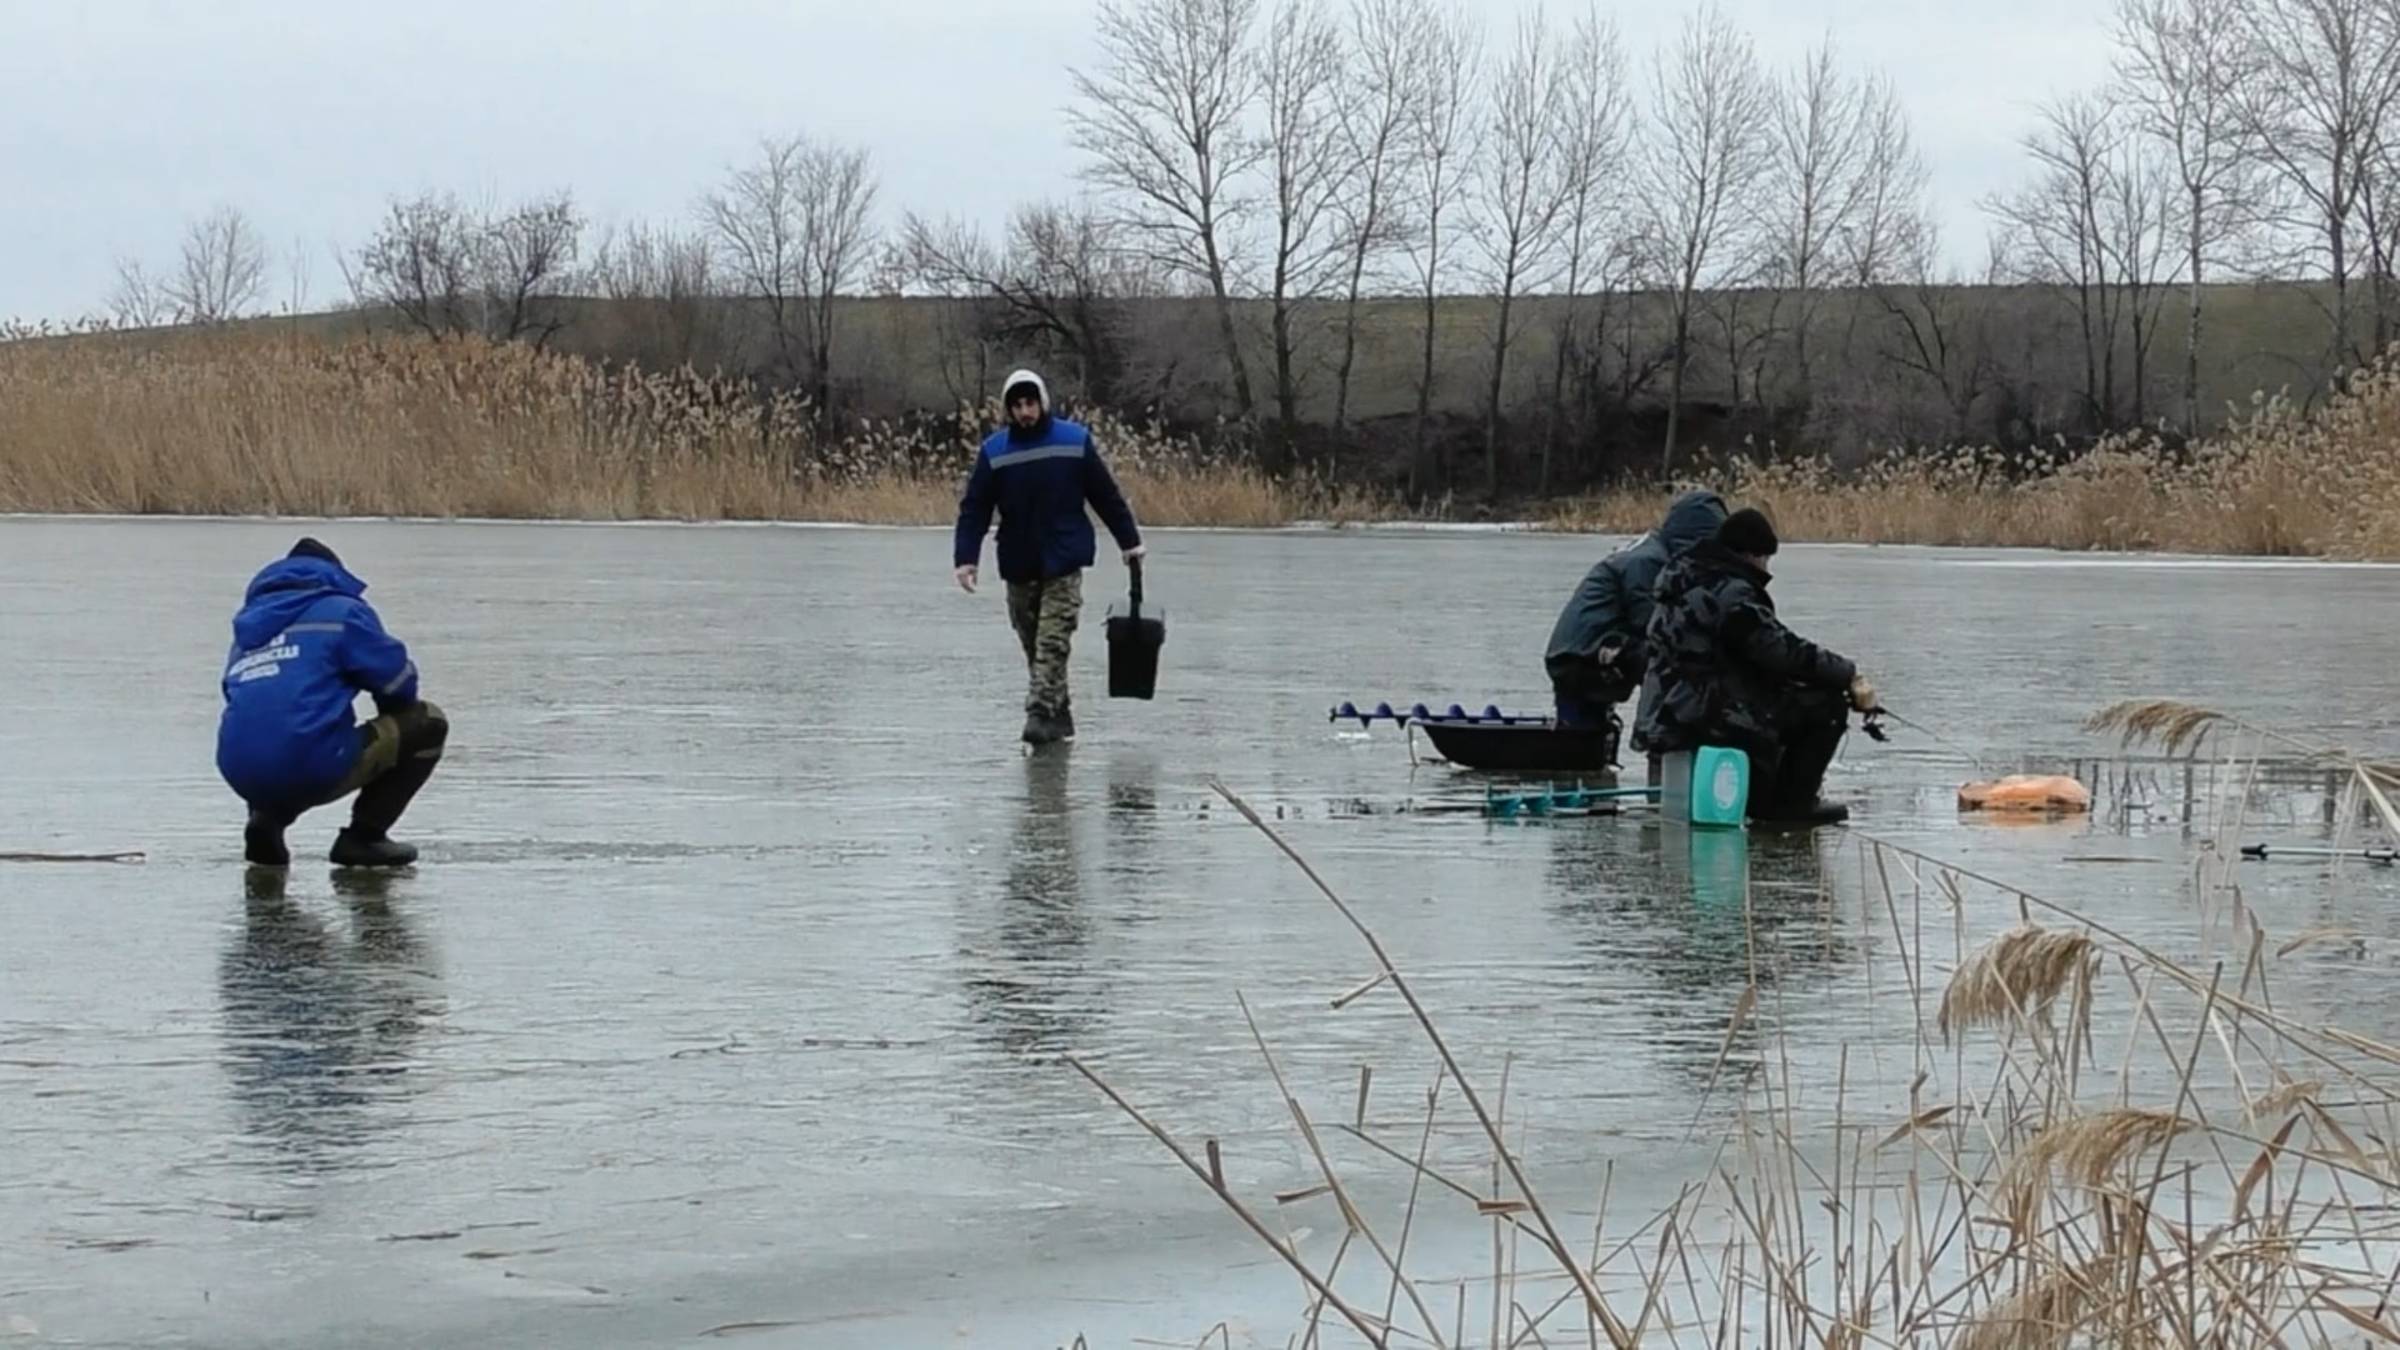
x: 1518, y: 192
x: 2322, y: 77
x: 1595, y: 128
x: 299, y: 271
x: 2094, y: 223
x: 2051, y: 230
x: 1300, y: 80
x: 951, y: 262
x: 1817, y: 183
x: 1060, y: 283
x: 837, y: 198
x: 421, y: 264
x: 1889, y: 231
x: 448, y: 269
x: 1706, y: 155
x: 2139, y: 229
x: 139, y: 300
x: 1443, y: 135
x: 223, y: 270
x: 1935, y: 331
x: 2182, y: 63
x: 1163, y: 123
x: 755, y: 219
x: 1892, y: 234
x: 522, y: 259
x: 1382, y: 80
x: 665, y: 282
x: 793, y: 228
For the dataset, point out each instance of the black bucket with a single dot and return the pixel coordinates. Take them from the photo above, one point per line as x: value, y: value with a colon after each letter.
x: 1134, y: 638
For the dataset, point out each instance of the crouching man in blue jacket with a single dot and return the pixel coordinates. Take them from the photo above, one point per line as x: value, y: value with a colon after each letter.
x: 1039, y: 470
x: 305, y: 644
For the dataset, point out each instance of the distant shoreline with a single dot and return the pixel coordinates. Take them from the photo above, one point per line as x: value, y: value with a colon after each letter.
x: 2000, y: 555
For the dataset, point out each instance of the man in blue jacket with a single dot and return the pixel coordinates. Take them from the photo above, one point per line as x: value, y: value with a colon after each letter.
x: 305, y: 645
x: 1038, y: 471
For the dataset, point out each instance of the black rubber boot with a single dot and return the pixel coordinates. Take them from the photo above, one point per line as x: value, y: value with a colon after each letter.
x: 1804, y: 816
x: 262, y: 840
x: 378, y: 806
x: 353, y: 849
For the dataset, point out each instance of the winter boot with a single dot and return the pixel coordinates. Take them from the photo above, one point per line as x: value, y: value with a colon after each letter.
x: 1039, y: 729
x: 354, y: 849
x: 367, y: 842
x: 262, y: 841
x: 1804, y: 816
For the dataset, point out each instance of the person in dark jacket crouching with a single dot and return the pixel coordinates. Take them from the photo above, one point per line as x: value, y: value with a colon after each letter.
x: 1597, y: 655
x: 305, y: 645
x: 1731, y: 674
x: 1039, y: 470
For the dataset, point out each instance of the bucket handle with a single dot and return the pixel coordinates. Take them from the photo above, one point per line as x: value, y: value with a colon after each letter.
x: 1135, y: 567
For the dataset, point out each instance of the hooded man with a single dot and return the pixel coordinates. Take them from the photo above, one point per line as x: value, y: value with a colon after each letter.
x: 305, y: 645
x: 1039, y: 470
x: 1597, y: 655
x: 1731, y: 674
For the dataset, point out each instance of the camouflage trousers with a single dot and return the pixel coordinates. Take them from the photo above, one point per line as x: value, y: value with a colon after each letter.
x: 1044, y: 614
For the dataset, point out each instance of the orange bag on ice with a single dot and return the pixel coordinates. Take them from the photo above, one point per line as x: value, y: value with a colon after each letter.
x: 2027, y: 792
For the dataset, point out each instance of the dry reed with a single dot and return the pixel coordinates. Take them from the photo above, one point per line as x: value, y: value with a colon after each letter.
x: 272, y: 421
x: 269, y: 423
x: 2023, y: 970
x: 2086, y: 1150
x: 1945, y: 1231
x: 2045, y: 1314
x: 2277, y: 481
x: 2173, y: 724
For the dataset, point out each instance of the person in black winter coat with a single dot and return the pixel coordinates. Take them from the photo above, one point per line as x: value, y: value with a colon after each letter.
x: 1730, y: 674
x: 1596, y: 657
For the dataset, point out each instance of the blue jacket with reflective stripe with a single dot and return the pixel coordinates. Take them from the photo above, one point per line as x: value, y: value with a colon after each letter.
x: 1040, y: 480
x: 305, y: 643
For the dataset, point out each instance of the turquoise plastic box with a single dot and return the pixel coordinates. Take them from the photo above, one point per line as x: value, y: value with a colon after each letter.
x: 1707, y: 788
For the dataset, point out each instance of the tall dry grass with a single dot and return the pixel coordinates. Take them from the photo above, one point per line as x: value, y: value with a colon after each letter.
x: 2279, y: 481
x: 2152, y: 1169
x: 251, y: 423
x: 273, y: 421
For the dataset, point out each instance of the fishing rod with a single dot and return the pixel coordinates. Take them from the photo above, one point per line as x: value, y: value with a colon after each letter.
x: 2262, y: 852
x: 1871, y: 723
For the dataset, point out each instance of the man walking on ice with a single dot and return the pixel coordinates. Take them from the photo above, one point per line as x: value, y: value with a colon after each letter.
x: 1039, y: 470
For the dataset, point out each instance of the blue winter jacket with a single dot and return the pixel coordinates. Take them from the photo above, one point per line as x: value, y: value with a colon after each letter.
x: 1039, y: 480
x: 304, y: 645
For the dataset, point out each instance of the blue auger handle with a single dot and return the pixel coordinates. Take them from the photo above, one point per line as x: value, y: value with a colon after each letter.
x: 1384, y: 712
x: 1381, y: 712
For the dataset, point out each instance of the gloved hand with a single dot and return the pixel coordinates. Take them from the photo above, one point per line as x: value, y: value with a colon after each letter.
x: 1136, y: 554
x: 1863, y: 696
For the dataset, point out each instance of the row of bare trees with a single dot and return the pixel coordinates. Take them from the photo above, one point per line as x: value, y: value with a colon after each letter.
x: 787, y: 231
x: 219, y: 274
x: 2238, y: 139
x: 1649, y: 238
x: 1314, y: 158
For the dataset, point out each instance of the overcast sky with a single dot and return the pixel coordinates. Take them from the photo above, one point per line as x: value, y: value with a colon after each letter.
x: 125, y: 118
